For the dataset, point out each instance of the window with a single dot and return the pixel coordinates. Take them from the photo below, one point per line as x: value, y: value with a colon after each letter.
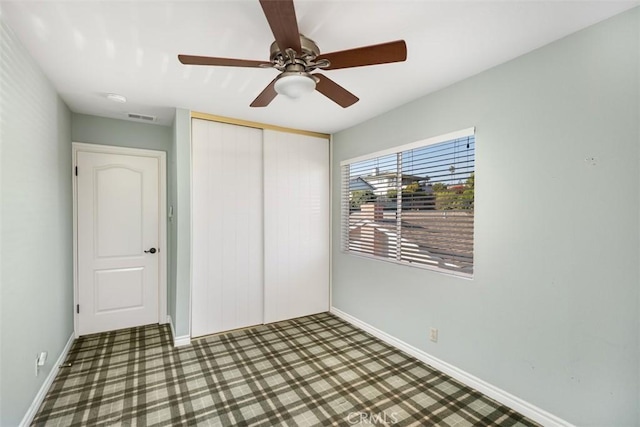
x: 413, y: 204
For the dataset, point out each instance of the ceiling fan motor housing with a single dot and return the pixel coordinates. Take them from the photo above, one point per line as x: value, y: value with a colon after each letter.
x: 309, y: 50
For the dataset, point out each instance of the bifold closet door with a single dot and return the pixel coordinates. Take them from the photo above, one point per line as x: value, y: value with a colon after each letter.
x: 227, y: 227
x: 296, y: 225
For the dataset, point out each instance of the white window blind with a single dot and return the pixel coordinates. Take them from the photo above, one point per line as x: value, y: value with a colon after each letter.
x: 413, y: 206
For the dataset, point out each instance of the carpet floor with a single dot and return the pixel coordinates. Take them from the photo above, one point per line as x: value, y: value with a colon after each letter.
x: 312, y: 371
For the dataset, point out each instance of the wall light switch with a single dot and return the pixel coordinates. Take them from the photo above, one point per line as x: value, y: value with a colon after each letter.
x: 42, y: 358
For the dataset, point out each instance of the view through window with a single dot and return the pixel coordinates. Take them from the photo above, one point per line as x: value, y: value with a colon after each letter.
x: 414, y: 205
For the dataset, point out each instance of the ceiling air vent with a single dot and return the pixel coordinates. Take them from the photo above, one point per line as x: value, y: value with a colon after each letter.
x: 142, y: 117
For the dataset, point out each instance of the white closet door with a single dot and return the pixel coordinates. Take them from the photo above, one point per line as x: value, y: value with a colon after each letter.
x: 227, y: 231
x: 296, y: 225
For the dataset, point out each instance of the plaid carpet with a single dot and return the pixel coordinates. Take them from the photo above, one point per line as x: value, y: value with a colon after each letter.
x: 315, y: 370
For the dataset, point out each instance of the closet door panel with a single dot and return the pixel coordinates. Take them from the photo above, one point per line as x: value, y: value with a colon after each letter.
x: 296, y: 225
x: 227, y: 231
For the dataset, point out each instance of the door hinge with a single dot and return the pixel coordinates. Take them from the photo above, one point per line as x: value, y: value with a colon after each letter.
x: 78, y: 308
x: 76, y: 171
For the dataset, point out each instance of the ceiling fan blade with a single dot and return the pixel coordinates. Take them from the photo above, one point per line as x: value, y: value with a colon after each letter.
x: 266, y: 96
x: 334, y: 91
x: 281, y: 16
x: 369, y: 55
x: 225, y: 62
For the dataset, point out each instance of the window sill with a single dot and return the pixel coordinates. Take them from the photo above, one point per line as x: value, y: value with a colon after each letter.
x: 457, y: 274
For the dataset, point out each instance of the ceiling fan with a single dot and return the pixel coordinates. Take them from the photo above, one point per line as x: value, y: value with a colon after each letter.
x: 296, y: 56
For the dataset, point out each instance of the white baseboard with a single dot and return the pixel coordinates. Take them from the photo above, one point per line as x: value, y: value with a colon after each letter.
x: 44, y: 389
x: 178, y: 341
x: 533, y: 412
x: 181, y: 341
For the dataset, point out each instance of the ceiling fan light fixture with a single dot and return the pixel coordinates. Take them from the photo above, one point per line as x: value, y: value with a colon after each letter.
x: 295, y: 85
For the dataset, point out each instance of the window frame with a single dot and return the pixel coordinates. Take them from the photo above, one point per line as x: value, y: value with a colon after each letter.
x: 345, y: 211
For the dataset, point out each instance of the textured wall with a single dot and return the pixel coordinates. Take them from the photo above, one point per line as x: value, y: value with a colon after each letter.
x: 36, y: 282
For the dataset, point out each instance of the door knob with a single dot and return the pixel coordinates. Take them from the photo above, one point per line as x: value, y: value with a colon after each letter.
x: 150, y: 251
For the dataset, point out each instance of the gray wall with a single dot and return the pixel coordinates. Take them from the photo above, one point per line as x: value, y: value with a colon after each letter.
x: 173, y: 227
x: 121, y: 133
x: 180, y: 289
x: 36, y: 282
x: 552, y: 313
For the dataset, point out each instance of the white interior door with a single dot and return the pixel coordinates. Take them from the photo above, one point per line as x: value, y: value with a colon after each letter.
x: 227, y: 231
x: 117, y: 227
x: 296, y: 223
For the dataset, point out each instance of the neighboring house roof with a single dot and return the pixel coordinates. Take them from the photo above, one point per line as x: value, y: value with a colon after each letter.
x: 457, y: 187
x: 359, y: 183
x: 378, y: 181
x: 383, y: 175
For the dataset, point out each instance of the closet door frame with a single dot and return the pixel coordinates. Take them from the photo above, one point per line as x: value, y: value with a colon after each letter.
x: 262, y: 126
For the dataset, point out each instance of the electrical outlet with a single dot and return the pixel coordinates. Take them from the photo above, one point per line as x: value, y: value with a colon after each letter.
x: 433, y: 334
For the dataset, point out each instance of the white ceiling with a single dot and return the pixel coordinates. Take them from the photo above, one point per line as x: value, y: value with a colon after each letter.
x: 91, y: 48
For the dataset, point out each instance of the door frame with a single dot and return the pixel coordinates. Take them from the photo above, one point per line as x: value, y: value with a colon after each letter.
x: 161, y: 156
